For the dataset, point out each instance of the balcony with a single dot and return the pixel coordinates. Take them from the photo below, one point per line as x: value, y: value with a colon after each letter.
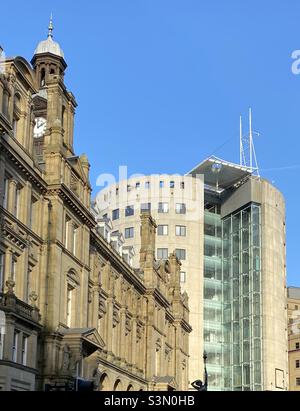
x: 10, y: 304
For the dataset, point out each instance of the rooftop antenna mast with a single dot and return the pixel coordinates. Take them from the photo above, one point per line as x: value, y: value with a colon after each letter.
x: 247, y: 149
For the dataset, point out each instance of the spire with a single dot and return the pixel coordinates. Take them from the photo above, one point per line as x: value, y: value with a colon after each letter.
x: 50, y: 28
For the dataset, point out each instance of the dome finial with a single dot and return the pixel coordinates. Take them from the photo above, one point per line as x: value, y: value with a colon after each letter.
x: 50, y: 28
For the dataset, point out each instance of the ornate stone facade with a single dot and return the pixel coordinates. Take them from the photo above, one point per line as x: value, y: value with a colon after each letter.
x: 71, y: 306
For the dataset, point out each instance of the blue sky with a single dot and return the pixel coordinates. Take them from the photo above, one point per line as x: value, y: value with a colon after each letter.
x: 161, y: 83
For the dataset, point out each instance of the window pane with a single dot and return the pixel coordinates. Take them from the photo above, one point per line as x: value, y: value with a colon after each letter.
x: 181, y: 254
x: 180, y: 208
x: 129, y: 232
x: 163, y: 230
x: 129, y: 211
x: 116, y: 214
x: 146, y: 207
x: 162, y: 253
x: 163, y: 207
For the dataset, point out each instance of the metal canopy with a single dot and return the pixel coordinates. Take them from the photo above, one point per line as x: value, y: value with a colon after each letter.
x: 221, y: 173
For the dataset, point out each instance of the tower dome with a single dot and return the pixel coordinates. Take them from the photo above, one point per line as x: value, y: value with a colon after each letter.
x: 49, y: 45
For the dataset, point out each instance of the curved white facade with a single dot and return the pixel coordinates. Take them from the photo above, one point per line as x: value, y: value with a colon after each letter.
x: 182, y: 200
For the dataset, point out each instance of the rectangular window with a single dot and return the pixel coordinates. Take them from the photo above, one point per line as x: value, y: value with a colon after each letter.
x: 182, y: 185
x: 138, y: 186
x: 116, y: 214
x: 297, y: 346
x: 17, y: 202
x: 129, y: 211
x: 1, y: 343
x: 181, y: 254
x: 15, y: 346
x: 147, y: 185
x: 67, y: 231
x: 163, y: 230
x: 172, y: 184
x: 180, y: 208
x: 129, y: 232
x: 2, y: 257
x: 161, y: 184
x: 33, y: 212
x: 70, y: 291
x: 13, y: 270
x: 162, y: 253
x: 298, y: 382
x: 15, y: 127
x: 75, y: 239
x: 296, y: 307
x: 297, y: 363
x: 145, y: 207
x: 181, y: 230
x: 5, y: 194
x: 24, y: 349
x: 183, y: 277
x: 163, y: 207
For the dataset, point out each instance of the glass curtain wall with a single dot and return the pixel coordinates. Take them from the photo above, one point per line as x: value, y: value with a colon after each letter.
x: 242, y: 314
x: 213, y: 296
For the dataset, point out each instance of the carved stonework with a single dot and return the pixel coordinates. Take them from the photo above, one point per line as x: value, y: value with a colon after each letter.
x: 116, y: 318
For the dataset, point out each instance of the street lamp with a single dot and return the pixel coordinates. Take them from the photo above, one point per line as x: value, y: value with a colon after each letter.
x: 198, y: 384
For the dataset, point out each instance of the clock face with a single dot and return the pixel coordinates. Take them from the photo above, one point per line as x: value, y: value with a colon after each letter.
x: 40, y: 127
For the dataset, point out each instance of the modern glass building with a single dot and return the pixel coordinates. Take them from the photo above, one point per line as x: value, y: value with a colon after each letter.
x: 228, y: 228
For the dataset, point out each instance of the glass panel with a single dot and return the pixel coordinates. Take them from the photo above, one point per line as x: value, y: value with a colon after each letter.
x: 236, y: 223
x: 256, y: 281
x: 245, y: 262
x: 255, y: 215
x: 246, y: 351
x: 237, y: 376
x: 246, y: 375
x: 246, y: 307
x: 246, y: 218
x: 257, y: 350
x: 235, y: 288
x: 236, y: 354
x: 245, y: 284
x: 235, y: 265
x: 256, y: 259
x: 236, y: 332
x: 246, y: 329
x: 257, y: 373
x: 256, y: 327
x: 236, y: 243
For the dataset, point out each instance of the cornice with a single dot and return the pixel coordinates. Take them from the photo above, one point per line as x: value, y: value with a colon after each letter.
x: 116, y: 261
x: 27, y: 170
x: 69, y: 198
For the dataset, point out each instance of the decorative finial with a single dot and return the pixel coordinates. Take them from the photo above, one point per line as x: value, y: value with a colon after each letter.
x: 50, y: 28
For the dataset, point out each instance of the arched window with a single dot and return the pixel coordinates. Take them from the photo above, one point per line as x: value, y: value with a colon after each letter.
x: 117, y: 385
x: 104, y: 383
x: 16, y: 115
x: 43, y: 78
x: 5, y: 103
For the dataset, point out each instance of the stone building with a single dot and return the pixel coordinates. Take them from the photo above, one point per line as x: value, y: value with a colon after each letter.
x: 294, y: 337
x: 71, y: 306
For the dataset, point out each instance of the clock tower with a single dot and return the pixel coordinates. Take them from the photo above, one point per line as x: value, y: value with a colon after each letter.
x: 54, y: 105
